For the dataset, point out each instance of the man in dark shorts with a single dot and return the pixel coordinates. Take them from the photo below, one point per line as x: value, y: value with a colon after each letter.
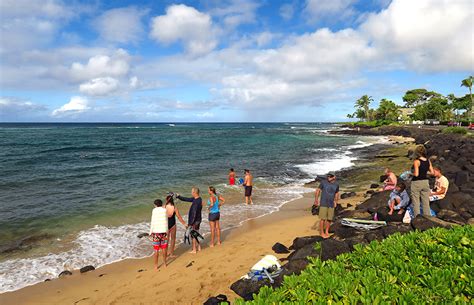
x: 194, y: 216
x: 248, y: 184
x: 329, y: 191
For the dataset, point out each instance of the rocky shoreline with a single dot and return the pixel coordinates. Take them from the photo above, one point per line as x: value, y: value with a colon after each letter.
x: 454, y: 153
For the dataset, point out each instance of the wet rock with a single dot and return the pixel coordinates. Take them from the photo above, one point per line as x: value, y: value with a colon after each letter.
x: 331, y: 248
x: 65, y: 273
x: 87, y: 269
x: 374, y: 186
x: 47, y: 280
x: 300, y: 242
x: 141, y: 235
x: 280, y: 248
x: 423, y: 223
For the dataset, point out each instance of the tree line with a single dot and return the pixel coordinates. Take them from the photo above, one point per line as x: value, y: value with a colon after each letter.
x: 426, y: 105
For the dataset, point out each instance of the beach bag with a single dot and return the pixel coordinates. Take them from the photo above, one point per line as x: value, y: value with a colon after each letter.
x: 406, y: 217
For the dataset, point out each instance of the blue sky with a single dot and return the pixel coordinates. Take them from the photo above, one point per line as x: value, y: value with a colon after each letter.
x: 228, y: 60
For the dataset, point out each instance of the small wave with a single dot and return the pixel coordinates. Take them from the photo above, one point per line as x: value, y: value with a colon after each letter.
x: 323, y: 166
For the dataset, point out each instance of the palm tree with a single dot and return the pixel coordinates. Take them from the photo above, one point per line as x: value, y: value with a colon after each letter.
x: 468, y: 84
x: 364, y: 103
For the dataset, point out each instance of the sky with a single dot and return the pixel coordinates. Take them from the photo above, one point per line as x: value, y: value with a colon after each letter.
x: 225, y: 60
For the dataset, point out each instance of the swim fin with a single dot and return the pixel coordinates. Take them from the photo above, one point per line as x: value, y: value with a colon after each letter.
x: 195, y: 234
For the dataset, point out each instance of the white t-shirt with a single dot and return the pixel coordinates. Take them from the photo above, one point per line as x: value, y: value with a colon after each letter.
x: 159, y: 220
x: 440, y: 183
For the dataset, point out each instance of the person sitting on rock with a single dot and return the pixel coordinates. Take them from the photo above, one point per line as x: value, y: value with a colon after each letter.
x: 441, y: 185
x: 391, y: 181
x: 399, y: 199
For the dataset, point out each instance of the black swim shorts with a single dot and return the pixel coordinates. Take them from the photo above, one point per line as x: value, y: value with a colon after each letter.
x: 214, y: 216
x: 248, y: 191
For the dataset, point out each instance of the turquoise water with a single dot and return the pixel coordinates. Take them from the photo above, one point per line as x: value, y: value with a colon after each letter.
x: 66, y: 188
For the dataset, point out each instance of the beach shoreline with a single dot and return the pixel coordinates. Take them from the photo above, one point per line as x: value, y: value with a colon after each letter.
x: 66, y: 290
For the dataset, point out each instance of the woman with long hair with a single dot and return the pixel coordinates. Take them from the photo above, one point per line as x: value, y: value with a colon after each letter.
x: 420, y: 188
x: 214, y: 203
x: 174, y: 212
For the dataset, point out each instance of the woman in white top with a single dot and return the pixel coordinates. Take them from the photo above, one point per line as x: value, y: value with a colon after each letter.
x: 158, y: 231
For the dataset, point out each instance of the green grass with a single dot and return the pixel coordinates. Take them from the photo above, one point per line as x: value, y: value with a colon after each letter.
x: 435, y: 266
x: 455, y: 129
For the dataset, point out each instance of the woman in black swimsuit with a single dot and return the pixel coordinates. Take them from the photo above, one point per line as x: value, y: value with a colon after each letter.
x: 420, y: 188
x: 172, y: 209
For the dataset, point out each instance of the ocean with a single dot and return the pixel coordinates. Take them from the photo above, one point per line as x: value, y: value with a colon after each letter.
x: 79, y: 194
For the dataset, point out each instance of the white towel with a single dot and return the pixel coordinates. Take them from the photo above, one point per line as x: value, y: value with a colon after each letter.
x: 159, y: 220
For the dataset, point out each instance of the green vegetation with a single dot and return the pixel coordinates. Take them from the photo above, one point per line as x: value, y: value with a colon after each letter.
x: 435, y: 266
x: 371, y: 124
x: 420, y: 105
x: 459, y: 130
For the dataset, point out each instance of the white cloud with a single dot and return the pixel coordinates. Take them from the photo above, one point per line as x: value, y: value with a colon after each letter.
x: 116, y: 65
x: 99, y: 86
x: 187, y: 25
x: 77, y: 104
x: 233, y: 13
x: 428, y: 35
x: 121, y: 25
x: 205, y: 115
x: 325, y: 9
x: 11, y: 107
x: 287, y: 11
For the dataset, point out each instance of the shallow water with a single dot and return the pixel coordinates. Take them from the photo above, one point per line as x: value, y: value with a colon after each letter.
x: 78, y: 194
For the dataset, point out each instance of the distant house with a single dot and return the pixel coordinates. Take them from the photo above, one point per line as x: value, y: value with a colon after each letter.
x: 405, y: 114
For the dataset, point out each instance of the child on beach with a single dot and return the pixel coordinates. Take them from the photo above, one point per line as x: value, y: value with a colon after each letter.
x: 441, y: 185
x: 158, y: 231
x: 231, y: 177
x: 194, y: 216
x: 399, y: 199
x: 329, y: 191
x: 174, y: 212
x: 391, y: 181
x: 214, y: 203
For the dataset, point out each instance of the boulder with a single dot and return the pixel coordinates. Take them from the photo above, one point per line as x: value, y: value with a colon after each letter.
x: 462, y: 177
x: 341, y: 231
x: 423, y: 223
x: 303, y: 253
x: 87, y: 269
x: 354, y: 214
x: 373, y: 235
x: 370, y: 192
x: 353, y: 194
x: 383, y: 178
x: 300, y: 242
x: 217, y: 300
x: 469, y: 167
x: 451, y: 216
x: 331, y: 248
x: 345, y: 195
x: 382, y: 214
x: 374, y: 186
x: 246, y: 288
x: 466, y: 215
x: 295, y: 266
x: 395, y: 228
x: 338, y: 209
x: 378, y: 200
x: 280, y: 248
x: 141, y: 235
x: 65, y: 273
x: 355, y: 240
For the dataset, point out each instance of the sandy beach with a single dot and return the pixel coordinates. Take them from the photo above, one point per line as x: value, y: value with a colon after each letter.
x: 188, y: 279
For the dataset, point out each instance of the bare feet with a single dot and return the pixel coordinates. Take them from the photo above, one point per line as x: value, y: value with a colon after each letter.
x: 219, y: 243
x: 400, y: 212
x: 211, y: 246
x: 193, y: 252
x: 390, y: 213
x: 172, y: 256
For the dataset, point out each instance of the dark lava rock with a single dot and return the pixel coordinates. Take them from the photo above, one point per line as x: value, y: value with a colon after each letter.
x: 246, y: 288
x: 470, y: 222
x: 342, y: 231
x: 338, y: 209
x: 280, y: 248
x: 462, y: 177
x: 47, y: 280
x: 65, y: 273
x: 370, y: 192
x: 217, y: 300
x: 423, y: 223
x: 383, y: 178
x: 87, y: 269
x: 331, y: 248
x: 451, y: 216
x: 295, y: 266
x: 469, y: 167
x: 304, y: 252
x: 375, y: 202
x: 300, y: 242
x: 382, y: 214
x: 141, y: 235
x: 373, y: 235
x: 355, y: 240
x: 396, y: 228
x: 345, y: 195
x: 374, y: 186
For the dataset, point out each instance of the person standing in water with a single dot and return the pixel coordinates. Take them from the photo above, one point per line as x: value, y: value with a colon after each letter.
x: 158, y: 231
x: 194, y: 216
x: 231, y: 177
x: 248, y: 185
x: 172, y: 210
x: 214, y: 204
